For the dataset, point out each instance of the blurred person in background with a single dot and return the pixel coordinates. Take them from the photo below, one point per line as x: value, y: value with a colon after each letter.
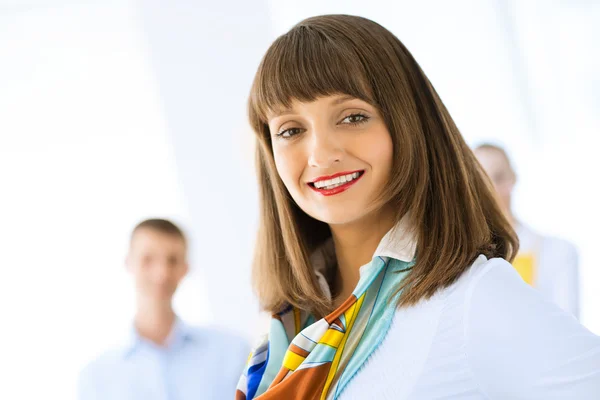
x: 549, y: 264
x: 165, y: 358
x: 382, y: 251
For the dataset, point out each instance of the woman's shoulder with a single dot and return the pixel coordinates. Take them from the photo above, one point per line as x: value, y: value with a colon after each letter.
x: 483, y: 266
x: 483, y: 272
x: 494, y: 298
x: 518, y: 342
x: 448, y: 309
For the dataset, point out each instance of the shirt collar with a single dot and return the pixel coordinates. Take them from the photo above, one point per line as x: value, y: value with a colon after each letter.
x: 398, y: 243
x: 180, y: 333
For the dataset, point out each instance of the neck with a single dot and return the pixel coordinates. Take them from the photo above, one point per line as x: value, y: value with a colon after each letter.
x: 154, y: 322
x: 355, y: 245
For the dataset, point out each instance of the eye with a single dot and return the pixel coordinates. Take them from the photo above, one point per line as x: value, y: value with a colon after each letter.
x: 288, y: 133
x: 355, y: 119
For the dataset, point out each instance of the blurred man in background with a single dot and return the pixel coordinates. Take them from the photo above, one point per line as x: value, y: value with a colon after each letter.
x: 165, y: 358
x: 548, y: 264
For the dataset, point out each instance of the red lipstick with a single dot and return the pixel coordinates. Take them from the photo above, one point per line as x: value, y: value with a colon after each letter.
x: 340, y: 187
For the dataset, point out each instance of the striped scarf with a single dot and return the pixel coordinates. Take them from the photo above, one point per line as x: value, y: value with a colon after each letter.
x: 307, y: 359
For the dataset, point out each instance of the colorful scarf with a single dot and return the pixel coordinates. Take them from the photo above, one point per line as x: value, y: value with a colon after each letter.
x: 307, y: 359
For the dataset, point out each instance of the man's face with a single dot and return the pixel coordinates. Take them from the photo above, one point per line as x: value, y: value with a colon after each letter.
x: 158, y: 263
x: 497, y: 167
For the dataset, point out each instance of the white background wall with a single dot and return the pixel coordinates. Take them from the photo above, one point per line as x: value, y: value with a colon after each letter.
x: 113, y: 111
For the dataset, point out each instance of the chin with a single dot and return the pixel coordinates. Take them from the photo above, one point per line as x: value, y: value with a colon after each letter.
x: 341, y: 217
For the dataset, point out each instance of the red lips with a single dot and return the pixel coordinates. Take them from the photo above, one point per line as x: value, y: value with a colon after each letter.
x: 338, y: 189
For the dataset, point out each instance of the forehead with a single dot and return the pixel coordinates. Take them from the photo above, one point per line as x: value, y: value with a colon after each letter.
x: 492, y: 159
x: 148, y: 240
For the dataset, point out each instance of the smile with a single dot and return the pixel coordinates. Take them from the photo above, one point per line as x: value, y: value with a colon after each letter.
x: 331, y: 185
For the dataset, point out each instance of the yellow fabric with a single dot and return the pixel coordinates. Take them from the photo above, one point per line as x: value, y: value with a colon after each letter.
x: 332, y: 338
x: 524, y: 263
x: 292, y: 360
x: 350, y: 316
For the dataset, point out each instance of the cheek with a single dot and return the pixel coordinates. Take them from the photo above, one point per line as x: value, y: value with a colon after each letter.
x: 289, y: 166
x: 378, y: 150
x: 387, y: 152
x: 504, y: 191
x: 180, y: 274
x: 143, y: 278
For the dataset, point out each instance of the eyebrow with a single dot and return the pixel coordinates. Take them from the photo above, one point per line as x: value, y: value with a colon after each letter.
x: 337, y: 101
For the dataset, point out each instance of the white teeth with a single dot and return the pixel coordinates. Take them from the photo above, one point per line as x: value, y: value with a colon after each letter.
x: 335, y: 182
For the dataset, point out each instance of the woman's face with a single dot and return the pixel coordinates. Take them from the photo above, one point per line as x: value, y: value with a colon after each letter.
x: 334, y: 156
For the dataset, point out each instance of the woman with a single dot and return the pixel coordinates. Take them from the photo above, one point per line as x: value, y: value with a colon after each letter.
x: 381, y: 249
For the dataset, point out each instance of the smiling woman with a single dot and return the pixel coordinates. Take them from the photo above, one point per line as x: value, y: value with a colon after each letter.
x: 339, y: 94
x: 381, y: 251
x: 329, y: 146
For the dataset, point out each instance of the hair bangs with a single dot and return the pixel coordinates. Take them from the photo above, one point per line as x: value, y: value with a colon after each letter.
x: 303, y: 65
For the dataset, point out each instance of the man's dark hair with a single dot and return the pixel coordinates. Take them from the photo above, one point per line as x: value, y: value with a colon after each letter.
x: 160, y: 225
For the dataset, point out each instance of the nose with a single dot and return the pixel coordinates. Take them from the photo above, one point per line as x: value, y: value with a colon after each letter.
x: 325, y: 150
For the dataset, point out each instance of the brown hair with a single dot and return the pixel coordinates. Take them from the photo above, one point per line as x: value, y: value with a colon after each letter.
x: 160, y: 225
x: 436, y: 180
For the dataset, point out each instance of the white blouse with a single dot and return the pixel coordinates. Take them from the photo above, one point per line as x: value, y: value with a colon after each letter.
x: 488, y: 336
